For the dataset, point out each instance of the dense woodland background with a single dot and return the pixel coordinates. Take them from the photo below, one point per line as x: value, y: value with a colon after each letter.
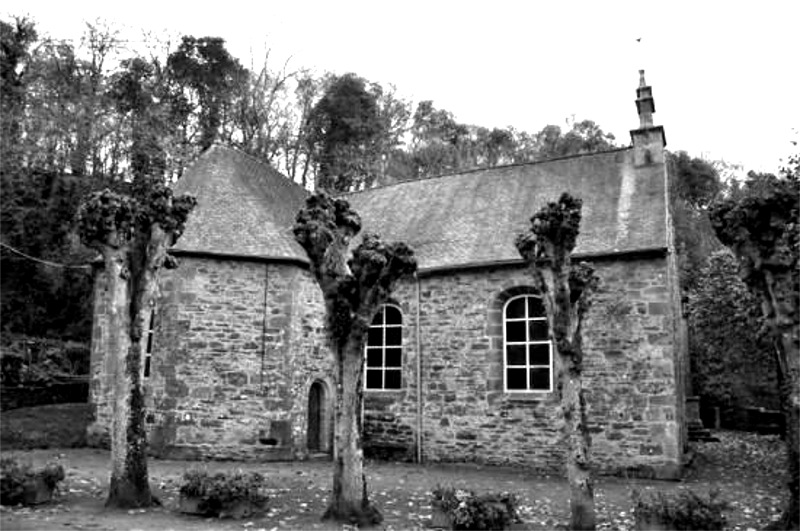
x: 82, y: 117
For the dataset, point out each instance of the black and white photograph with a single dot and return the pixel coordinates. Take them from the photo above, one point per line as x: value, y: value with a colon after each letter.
x: 420, y: 265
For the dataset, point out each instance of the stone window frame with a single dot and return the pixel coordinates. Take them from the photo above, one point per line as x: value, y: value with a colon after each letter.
x: 528, y: 342
x: 149, y: 339
x: 495, y: 334
x: 383, y: 347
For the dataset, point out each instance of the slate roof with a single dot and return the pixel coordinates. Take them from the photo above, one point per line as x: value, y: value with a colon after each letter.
x: 245, y: 208
x: 473, y: 218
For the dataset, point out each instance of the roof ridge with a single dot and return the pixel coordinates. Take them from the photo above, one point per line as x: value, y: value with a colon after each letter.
x: 196, y: 159
x: 476, y: 170
x: 192, y: 163
x: 255, y: 159
x: 261, y: 162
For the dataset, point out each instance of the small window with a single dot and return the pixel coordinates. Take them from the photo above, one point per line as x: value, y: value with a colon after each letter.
x: 148, y: 344
x: 384, y: 350
x: 527, y: 350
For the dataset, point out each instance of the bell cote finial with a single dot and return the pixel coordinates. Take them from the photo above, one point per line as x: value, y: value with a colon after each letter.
x: 645, y: 104
x: 648, y: 140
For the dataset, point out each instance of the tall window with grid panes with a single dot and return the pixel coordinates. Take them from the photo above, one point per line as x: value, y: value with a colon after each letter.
x: 384, y: 350
x: 528, y: 353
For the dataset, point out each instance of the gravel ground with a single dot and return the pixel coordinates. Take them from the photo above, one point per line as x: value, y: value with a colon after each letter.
x: 748, y: 470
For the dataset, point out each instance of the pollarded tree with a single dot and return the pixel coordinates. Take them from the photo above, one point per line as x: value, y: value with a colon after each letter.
x: 355, y: 286
x: 133, y: 235
x: 565, y: 290
x: 762, y: 229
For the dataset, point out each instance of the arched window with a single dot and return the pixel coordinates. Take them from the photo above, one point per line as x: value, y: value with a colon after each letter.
x: 384, y: 351
x: 527, y: 351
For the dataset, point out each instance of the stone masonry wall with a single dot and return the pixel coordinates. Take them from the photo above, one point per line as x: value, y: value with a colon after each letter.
x: 236, y: 345
x: 632, y: 386
x: 100, y: 378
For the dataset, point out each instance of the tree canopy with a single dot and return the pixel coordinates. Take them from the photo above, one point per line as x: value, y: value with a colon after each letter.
x: 732, y: 360
x: 344, y: 127
x: 203, y: 71
x: 693, y: 185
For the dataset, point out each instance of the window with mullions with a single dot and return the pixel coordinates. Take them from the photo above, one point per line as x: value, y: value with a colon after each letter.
x: 384, y: 350
x: 527, y: 352
x: 148, y: 344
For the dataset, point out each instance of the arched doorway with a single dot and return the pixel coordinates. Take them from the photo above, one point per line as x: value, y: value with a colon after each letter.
x: 319, y: 419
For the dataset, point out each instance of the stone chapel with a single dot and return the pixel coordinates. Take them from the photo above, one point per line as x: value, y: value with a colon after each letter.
x: 459, y: 365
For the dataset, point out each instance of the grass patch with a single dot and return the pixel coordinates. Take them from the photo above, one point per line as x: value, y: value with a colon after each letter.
x: 52, y: 426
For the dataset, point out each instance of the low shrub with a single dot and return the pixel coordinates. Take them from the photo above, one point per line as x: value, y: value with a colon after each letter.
x: 466, y: 510
x: 679, y: 510
x: 18, y: 481
x: 219, y: 494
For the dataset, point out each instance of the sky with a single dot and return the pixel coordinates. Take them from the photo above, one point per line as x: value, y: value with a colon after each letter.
x: 723, y: 74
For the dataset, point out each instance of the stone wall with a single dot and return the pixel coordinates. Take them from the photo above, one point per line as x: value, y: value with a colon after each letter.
x: 632, y: 378
x: 100, y: 378
x: 237, y: 346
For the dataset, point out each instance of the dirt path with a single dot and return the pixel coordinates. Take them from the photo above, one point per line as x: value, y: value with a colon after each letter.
x: 746, y: 469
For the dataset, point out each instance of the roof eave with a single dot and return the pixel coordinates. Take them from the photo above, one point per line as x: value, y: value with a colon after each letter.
x: 648, y: 252
x: 632, y: 254
x: 242, y: 257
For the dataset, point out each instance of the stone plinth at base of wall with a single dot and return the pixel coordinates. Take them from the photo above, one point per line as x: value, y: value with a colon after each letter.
x: 226, y: 453
x: 98, y: 437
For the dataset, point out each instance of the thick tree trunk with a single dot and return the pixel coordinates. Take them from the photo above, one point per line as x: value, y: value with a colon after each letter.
x: 349, y: 501
x: 783, y: 310
x: 565, y: 318
x: 128, y: 486
x: 579, y: 474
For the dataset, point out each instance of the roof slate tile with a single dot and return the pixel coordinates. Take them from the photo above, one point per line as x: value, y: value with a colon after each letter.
x: 246, y: 208
x: 474, y: 217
